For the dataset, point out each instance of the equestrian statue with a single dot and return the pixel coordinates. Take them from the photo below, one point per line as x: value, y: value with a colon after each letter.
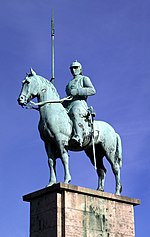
x: 68, y: 124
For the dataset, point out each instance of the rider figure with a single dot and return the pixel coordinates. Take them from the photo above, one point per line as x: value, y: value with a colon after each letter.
x: 80, y: 87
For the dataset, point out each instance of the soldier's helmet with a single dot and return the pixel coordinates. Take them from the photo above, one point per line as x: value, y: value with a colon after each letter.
x: 76, y: 64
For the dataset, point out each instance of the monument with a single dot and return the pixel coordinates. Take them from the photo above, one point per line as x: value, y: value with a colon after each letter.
x: 66, y: 124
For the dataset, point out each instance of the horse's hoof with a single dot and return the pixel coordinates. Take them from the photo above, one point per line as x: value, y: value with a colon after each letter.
x: 67, y: 181
x: 118, y: 192
x: 50, y: 184
x: 100, y: 189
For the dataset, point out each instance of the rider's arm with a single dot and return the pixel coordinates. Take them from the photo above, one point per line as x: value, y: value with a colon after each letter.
x: 87, y: 88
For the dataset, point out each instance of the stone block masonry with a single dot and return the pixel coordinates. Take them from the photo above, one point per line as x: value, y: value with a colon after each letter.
x: 64, y: 210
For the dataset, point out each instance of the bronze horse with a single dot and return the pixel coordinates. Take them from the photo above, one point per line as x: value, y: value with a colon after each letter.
x: 55, y: 127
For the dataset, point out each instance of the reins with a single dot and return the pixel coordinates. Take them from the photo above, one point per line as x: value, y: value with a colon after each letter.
x: 31, y: 104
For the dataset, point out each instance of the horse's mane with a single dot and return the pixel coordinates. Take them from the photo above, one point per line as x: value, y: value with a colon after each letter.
x: 49, y: 84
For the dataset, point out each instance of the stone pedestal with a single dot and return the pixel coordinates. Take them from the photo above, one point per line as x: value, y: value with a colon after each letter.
x: 64, y: 210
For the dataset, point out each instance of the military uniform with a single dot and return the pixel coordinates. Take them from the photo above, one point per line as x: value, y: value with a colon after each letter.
x: 80, y: 87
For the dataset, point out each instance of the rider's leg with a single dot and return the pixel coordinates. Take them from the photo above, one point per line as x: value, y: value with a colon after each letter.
x: 77, y: 118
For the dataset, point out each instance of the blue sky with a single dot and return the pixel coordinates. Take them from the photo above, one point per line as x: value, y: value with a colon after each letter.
x: 111, y: 39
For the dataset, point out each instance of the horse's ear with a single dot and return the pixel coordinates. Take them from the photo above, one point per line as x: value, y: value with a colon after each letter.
x: 32, y: 72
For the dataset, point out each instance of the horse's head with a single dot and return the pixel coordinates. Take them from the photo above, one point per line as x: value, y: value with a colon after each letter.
x: 29, y: 88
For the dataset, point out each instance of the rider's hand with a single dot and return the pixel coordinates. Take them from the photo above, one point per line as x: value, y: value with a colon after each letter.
x: 74, y: 92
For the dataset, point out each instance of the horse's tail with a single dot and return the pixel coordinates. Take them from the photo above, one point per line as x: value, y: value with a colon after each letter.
x: 118, y: 153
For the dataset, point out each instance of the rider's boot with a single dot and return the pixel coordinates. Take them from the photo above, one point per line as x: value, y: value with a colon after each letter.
x: 77, y: 138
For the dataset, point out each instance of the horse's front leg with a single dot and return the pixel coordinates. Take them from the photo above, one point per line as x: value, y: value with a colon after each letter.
x: 52, y: 165
x: 65, y: 161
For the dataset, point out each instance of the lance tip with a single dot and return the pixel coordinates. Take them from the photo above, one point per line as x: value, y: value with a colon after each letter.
x: 52, y: 24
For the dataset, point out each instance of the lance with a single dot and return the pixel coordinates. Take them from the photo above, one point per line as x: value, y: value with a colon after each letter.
x: 52, y: 48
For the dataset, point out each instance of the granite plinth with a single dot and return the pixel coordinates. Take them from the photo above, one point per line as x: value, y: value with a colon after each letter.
x: 65, y: 210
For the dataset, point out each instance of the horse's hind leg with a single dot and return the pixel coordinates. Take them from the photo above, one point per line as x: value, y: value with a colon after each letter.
x: 101, y: 179
x: 115, y: 159
x: 116, y: 171
x: 101, y: 172
x: 52, y: 165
